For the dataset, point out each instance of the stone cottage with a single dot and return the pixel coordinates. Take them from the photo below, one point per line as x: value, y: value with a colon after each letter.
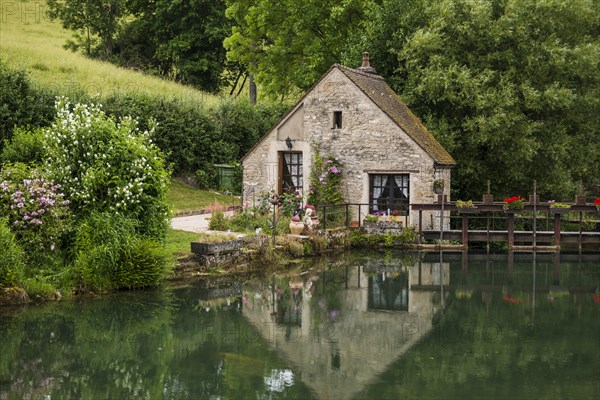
x: 389, y: 158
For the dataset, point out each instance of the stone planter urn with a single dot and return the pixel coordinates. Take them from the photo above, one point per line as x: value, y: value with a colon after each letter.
x: 438, y: 186
x: 296, y: 227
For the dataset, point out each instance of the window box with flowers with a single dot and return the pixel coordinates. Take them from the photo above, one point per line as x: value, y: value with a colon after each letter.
x: 559, y: 208
x: 382, y: 223
x: 597, y: 204
x: 514, y: 204
x: 466, y: 207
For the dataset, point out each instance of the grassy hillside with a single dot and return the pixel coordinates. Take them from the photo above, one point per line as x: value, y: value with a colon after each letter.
x: 28, y: 39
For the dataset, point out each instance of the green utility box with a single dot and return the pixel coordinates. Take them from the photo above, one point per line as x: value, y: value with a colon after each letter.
x: 225, y: 176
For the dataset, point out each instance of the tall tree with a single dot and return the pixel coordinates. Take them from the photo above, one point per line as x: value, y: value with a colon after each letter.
x: 182, y: 40
x: 288, y: 44
x: 92, y: 21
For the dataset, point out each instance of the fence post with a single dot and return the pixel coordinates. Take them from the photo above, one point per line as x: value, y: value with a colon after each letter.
x: 347, y: 216
x: 557, y: 230
x: 465, y: 230
x: 359, y: 214
x: 419, y: 237
x: 511, y: 231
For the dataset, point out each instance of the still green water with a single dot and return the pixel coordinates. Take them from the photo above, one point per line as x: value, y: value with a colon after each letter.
x: 381, y: 325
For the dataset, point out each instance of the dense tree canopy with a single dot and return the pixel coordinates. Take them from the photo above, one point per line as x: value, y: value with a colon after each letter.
x: 510, y: 87
x: 182, y: 40
x: 288, y: 44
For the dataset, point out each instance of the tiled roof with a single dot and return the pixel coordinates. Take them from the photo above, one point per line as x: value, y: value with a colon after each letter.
x: 384, y: 97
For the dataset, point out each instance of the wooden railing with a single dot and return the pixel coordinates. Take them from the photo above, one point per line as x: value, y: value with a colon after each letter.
x: 332, y: 216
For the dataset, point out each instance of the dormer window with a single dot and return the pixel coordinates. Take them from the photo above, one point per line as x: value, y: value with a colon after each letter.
x: 337, y: 120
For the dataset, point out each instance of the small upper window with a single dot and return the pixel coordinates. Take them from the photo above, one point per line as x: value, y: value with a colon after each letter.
x: 337, y: 120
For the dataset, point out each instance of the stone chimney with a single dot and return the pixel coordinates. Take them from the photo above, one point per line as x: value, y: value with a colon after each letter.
x: 366, y: 66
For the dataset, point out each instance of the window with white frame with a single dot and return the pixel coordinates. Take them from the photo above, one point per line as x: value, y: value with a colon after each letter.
x: 389, y: 192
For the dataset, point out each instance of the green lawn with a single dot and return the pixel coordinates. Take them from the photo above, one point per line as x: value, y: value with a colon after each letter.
x: 28, y: 39
x: 183, y: 197
x: 178, y: 242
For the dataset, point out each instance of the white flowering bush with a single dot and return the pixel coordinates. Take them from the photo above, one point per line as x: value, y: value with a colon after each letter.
x: 107, y: 166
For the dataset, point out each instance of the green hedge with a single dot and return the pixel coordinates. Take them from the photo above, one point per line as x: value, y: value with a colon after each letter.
x: 22, y: 104
x: 191, y: 135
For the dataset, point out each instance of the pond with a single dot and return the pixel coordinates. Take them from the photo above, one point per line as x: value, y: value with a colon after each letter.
x: 377, y: 325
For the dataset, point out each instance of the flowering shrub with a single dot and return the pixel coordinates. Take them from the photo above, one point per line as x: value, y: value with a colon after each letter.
x: 36, y: 209
x: 514, y: 203
x: 291, y: 204
x: 326, y: 176
x: 107, y: 166
x: 463, y: 204
x: 597, y: 203
x: 554, y: 204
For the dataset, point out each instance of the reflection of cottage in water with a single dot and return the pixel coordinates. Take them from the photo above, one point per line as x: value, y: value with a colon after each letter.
x: 319, y: 322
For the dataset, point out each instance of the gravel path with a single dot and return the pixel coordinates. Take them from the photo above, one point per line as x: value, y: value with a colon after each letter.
x: 191, y: 223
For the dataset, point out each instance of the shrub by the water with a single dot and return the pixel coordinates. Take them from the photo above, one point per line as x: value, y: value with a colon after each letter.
x: 144, y: 263
x: 109, y: 254
x: 11, y: 257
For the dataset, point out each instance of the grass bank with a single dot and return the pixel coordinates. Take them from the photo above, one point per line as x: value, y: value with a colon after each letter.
x: 184, y: 198
x: 29, y: 40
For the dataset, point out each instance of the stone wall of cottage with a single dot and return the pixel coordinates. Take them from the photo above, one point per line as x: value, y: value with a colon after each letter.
x: 368, y: 142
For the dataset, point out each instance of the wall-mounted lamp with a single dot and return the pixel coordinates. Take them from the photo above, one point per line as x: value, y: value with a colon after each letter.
x: 288, y: 143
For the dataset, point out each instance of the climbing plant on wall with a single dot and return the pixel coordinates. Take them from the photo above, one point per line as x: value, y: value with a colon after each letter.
x: 325, y: 181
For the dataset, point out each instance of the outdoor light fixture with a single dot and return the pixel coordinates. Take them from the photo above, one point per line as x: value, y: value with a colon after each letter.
x: 288, y: 142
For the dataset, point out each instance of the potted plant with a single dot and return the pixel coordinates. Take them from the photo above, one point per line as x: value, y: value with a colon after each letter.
x: 513, y: 204
x: 438, y: 186
x: 296, y: 225
x: 465, y: 207
x: 396, y: 216
x: 597, y: 204
x: 558, y: 208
